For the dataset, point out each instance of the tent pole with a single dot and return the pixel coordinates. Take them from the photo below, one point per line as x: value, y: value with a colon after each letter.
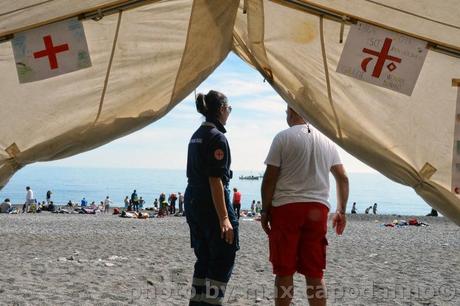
x: 96, y: 13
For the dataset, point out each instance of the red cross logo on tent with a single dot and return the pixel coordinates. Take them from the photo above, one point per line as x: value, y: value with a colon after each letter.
x: 51, y: 51
x: 382, y: 56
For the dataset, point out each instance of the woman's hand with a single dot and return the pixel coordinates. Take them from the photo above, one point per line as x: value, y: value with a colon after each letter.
x: 226, y: 230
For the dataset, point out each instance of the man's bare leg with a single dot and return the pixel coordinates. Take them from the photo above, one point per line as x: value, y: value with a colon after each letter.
x: 316, y: 291
x: 284, y: 290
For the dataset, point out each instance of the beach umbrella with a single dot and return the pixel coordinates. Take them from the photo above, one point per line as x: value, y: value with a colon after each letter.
x: 378, y: 77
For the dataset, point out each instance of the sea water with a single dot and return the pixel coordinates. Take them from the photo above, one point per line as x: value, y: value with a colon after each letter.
x: 96, y: 183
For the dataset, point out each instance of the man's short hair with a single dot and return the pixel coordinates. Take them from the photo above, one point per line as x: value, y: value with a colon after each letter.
x: 234, y: 189
x: 27, y: 187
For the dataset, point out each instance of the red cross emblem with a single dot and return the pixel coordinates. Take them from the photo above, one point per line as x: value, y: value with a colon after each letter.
x: 219, y: 154
x: 51, y: 51
x: 382, y: 56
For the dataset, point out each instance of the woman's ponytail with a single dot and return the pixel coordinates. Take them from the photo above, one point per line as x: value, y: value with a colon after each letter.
x: 201, y: 106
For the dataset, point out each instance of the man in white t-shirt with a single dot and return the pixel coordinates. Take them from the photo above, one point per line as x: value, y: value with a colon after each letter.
x: 30, y: 199
x: 107, y: 203
x: 295, y: 192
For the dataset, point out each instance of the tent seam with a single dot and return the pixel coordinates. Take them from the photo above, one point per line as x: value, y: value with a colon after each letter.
x: 413, y: 14
x: 107, y: 75
x: 326, y: 72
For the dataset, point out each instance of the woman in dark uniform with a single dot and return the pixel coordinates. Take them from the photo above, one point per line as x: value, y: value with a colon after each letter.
x: 212, y: 221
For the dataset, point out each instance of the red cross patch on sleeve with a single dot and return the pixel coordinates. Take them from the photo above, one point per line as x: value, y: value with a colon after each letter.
x: 219, y: 154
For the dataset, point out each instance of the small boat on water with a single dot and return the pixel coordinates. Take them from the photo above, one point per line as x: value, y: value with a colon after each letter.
x: 249, y: 177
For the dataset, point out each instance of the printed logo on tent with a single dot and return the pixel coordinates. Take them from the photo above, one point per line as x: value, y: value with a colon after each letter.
x: 50, y: 51
x: 383, y: 58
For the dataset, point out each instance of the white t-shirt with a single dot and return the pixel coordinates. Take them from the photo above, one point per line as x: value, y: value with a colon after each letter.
x: 305, y: 160
x: 29, y: 195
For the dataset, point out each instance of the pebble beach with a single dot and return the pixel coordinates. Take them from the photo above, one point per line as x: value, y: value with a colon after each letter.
x: 72, y: 259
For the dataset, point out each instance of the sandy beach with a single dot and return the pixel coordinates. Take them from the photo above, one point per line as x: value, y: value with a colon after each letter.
x: 56, y: 259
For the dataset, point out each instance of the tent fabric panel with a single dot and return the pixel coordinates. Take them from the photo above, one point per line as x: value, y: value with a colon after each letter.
x: 393, y: 133
x: 205, y: 52
x: 57, y: 104
x: 150, y: 46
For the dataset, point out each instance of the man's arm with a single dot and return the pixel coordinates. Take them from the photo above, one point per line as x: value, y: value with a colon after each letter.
x: 268, y: 189
x: 341, y: 179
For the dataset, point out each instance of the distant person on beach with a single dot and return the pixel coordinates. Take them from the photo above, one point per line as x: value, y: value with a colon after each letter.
x: 210, y: 215
x: 141, y: 203
x: 5, y: 207
x: 84, y: 203
x: 181, y: 203
x: 374, y: 208
x: 253, y: 207
x: 433, y: 213
x: 135, y: 201
x: 48, y: 196
x: 295, y: 192
x: 258, y: 207
x: 155, y: 203
x: 367, y: 210
x: 126, y: 201
x: 172, y: 203
x: 237, y: 202
x: 353, y: 208
x: 162, y: 197
x: 30, y: 199
x: 107, y: 203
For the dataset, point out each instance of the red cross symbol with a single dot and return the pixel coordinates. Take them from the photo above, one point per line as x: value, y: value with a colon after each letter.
x: 382, y: 56
x: 51, y: 51
x: 219, y: 154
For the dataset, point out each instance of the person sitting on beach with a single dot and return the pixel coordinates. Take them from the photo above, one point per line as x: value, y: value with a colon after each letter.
x: 353, y: 208
x: 83, y: 202
x: 5, y: 207
x: 367, y: 210
x: 374, y: 209
x: 433, y: 213
x: 51, y: 206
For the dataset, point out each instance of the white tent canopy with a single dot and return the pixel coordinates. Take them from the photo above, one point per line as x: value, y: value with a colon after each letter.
x: 148, y: 55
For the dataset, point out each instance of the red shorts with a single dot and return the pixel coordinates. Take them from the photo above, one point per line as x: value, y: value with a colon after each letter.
x: 298, y: 239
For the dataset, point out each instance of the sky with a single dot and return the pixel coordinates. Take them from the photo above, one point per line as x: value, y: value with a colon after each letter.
x: 258, y: 115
